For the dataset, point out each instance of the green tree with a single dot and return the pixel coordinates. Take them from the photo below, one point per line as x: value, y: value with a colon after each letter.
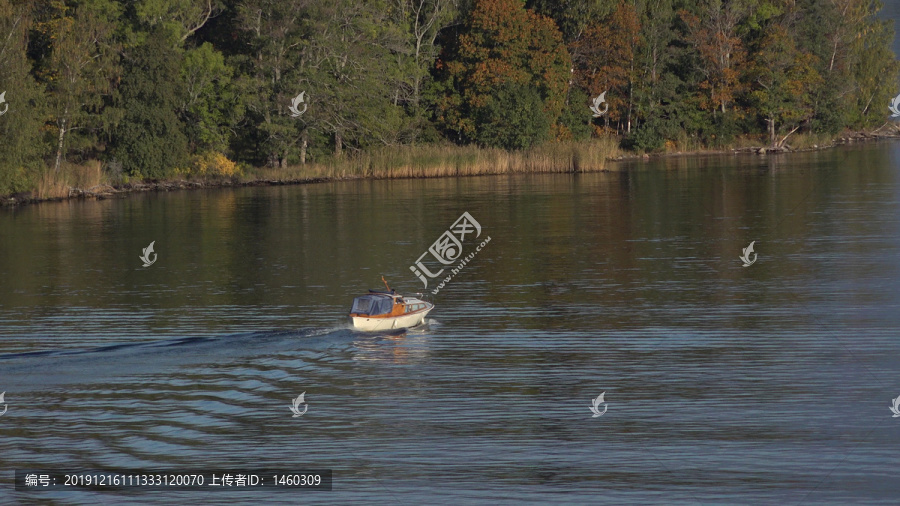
x: 661, y: 112
x: 78, y: 73
x: 423, y: 21
x: 575, y: 117
x: 213, y: 106
x: 21, y: 146
x: 276, y: 33
x: 178, y: 19
x: 783, y: 77
x: 874, y: 67
x: 356, y: 75
x: 150, y: 141
x: 655, y: 82
x: 514, y: 118
x: 854, y: 58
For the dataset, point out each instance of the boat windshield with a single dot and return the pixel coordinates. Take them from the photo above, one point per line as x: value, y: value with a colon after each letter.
x: 371, y: 305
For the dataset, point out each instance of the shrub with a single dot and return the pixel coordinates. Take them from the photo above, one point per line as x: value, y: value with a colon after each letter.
x: 514, y: 118
x: 211, y: 164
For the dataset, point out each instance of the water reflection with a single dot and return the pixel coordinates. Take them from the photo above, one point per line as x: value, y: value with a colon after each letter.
x: 406, y: 347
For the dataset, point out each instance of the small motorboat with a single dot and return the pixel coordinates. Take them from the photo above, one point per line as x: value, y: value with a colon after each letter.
x: 387, y: 309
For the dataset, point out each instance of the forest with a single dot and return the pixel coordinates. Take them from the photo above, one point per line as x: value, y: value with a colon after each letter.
x: 156, y: 89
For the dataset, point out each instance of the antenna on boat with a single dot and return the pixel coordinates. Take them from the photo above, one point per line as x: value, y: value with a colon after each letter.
x: 386, y: 285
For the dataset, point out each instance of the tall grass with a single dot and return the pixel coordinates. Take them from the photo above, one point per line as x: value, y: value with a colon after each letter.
x: 796, y: 141
x: 51, y: 184
x: 809, y: 140
x: 451, y: 160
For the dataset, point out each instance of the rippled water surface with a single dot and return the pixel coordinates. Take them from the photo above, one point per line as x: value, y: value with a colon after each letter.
x: 768, y: 384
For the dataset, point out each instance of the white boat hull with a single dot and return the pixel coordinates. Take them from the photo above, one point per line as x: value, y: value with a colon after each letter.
x: 396, y: 322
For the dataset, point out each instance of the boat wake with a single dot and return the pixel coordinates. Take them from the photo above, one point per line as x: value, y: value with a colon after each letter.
x: 53, y: 367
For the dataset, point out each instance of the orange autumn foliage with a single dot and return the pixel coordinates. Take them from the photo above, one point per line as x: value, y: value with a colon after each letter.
x: 721, y: 54
x: 501, y: 43
x: 604, y: 59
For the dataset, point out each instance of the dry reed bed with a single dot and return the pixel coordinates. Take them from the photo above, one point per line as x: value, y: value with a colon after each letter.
x: 449, y: 160
x: 58, y: 185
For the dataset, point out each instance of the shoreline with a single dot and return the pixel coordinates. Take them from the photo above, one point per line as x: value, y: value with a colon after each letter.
x: 841, y: 140
x: 105, y: 191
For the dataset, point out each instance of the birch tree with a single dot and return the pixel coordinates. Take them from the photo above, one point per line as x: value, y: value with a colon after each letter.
x: 79, y: 70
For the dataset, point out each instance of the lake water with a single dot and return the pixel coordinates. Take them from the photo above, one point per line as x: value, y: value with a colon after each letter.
x: 724, y: 384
